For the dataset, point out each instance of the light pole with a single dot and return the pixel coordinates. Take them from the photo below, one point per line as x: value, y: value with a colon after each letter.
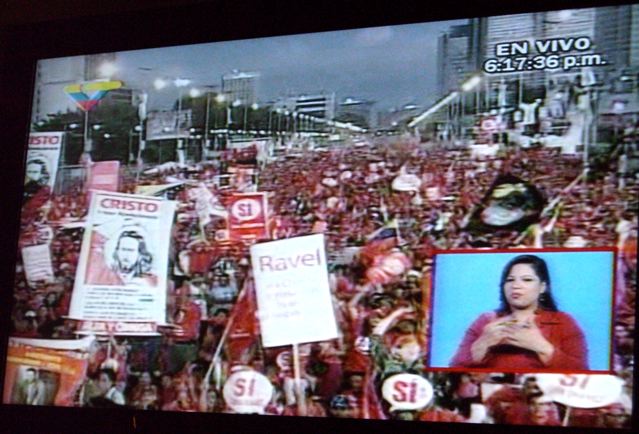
x: 180, y: 83
x: 138, y: 129
x: 254, y: 107
x: 467, y: 86
x: 207, y: 144
x: 235, y: 104
x: 67, y: 128
x: 220, y: 98
x: 288, y: 119
x: 279, y: 121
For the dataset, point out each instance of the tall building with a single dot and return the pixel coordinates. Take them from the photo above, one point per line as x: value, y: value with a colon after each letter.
x: 94, y: 63
x: 457, y: 56
x: 613, y: 32
x: 241, y: 86
x: 501, y: 29
x: 52, y: 75
x: 357, y: 109
x: 320, y: 105
x: 610, y: 29
x: 634, y: 36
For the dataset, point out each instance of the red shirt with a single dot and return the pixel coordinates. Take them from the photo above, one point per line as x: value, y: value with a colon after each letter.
x: 200, y: 260
x: 440, y: 415
x: 188, y: 317
x: 559, y: 328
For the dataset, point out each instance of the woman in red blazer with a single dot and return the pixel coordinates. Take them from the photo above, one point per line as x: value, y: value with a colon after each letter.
x: 527, y: 331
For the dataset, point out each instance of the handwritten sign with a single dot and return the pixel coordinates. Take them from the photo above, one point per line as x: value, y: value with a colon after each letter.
x: 37, y: 263
x: 293, y: 294
x: 581, y: 390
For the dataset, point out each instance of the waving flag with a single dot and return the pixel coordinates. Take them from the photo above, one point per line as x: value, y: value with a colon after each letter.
x: 511, y: 203
x: 87, y: 95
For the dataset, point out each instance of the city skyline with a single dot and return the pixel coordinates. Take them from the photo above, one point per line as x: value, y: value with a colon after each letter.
x: 392, y: 66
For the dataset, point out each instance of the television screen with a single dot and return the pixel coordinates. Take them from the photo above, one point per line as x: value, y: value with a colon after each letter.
x: 428, y: 222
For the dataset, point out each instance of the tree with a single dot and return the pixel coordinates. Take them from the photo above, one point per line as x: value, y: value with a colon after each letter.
x: 114, y: 120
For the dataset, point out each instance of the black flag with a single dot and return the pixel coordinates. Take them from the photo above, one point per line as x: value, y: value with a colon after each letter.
x: 510, y: 203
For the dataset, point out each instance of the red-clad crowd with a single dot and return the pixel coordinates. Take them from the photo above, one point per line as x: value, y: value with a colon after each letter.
x: 349, y: 193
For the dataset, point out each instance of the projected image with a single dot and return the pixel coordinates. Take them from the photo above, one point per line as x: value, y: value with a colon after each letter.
x: 541, y: 311
x: 130, y: 261
x: 412, y: 222
x: 35, y: 386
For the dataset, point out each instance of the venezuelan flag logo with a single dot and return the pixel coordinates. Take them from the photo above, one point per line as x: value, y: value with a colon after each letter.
x: 87, y: 95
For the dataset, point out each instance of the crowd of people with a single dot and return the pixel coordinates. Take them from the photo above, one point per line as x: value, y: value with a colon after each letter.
x: 348, y: 193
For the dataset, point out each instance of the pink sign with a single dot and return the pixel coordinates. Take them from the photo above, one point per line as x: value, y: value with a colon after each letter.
x: 104, y: 176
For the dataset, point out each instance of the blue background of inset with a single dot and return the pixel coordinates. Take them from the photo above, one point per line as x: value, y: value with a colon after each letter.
x: 467, y: 284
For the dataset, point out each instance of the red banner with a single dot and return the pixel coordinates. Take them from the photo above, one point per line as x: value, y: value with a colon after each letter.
x: 104, y: 176
x: 39, y: 375
x: 248, y: 216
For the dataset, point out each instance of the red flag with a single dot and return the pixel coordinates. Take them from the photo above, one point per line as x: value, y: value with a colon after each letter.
x: 244, y: 326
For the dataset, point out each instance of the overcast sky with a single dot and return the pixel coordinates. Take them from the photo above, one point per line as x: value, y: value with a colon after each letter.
x: 391, y: 65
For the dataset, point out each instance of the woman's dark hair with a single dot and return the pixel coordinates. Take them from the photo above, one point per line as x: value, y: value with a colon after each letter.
x: 546, y: 302
x: 110, y: 373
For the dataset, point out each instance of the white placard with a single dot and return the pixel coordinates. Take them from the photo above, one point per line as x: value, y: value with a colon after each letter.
x: 293, y: 294
x: 581, y: 390
x: 37, y: 263
x: 121, y: 275
x: 407, y: 392
x: 247, y: 392
x: 406, y: 182
x: 43, y: 157
x: 483, y: 151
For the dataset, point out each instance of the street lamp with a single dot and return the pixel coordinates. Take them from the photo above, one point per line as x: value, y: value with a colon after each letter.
x: 254, y: 107
x: 288, y: 119
x: 159, y: 83
x: 467, y: 86
x: 135, y: 129
x: 67, y: 129
x: 279, y: 120
x: 471, y: 83
x: 180, y: 83
x: 206, y: 144
x: 107, y: 70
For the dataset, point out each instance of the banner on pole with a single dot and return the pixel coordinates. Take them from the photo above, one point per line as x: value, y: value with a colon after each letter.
x: 293, y: 294
x: 206, y: 204
x: 248, y: 216
x: 165, y: 125
x: 120, y: 284
x: 242, y: 178
x: 43, y: 157
x: 45, y: 372
x: 247, y: 391
x: 37, y: 263
x: 104, y: 175
x: 88, y: 94
x: 581, y: 390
